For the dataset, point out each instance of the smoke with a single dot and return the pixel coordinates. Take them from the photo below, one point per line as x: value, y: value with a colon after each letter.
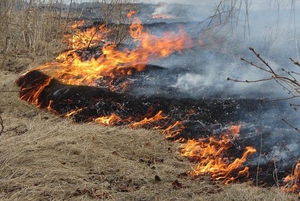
x: 225, y: 35
x: 202, y: 72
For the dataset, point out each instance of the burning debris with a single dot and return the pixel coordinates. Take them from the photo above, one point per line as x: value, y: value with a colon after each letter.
x: 95, y: 81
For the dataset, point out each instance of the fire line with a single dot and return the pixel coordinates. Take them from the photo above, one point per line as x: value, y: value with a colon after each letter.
x: 85, y: 81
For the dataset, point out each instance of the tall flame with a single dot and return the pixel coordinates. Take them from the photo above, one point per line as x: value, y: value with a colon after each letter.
x: 211, y: 156
x: 70, y: 68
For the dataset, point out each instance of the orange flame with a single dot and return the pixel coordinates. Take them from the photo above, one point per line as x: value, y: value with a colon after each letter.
x: 69, y: 67
x: 211, y: 157
x: 130, y: 13
x: 32, y: 93
x: 173, y: 130
x: 234, y: 130
x: 78, y: 24
x: 110, y: 120
x: 293, y: 181
x: 146, y: 120
x: 71, y: 113
x: 87, y: 38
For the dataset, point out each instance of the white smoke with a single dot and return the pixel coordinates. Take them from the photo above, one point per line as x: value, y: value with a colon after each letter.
x: 271, y: 30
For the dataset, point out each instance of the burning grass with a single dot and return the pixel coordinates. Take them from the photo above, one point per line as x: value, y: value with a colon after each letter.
x: 46, y: 157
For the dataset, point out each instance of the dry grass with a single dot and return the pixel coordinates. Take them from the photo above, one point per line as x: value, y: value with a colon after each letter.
x: 27, y: 28
x: 46, y: 157
x: 28, y: 32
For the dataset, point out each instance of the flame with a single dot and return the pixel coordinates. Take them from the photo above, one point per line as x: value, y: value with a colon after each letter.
x: 71, y: 113
x: 174, y: 130
x: 292, y: 182
x: 33, y: 92
x: 146, y: 120
x: 70, y: 68
x: 87, y: 38
x: 210, y: 154
x: 110, y: 120
x: 78, y: 24
x: 130, y: 13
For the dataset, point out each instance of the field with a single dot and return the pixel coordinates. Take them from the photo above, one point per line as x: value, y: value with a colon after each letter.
x: 47, y: 157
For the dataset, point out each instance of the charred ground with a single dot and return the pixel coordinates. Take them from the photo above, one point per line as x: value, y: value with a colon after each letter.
x: 46, y: 157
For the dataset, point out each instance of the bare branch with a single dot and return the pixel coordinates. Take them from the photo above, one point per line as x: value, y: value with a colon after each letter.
x: 287, y: 81
x: 254, y: 65
x: 262, y: 60
x: 297, y: 129
x: 296, y: 73
x: 252, y: 81
x: 1, y: 125
x: 295, y: 62
x: 293, y: 155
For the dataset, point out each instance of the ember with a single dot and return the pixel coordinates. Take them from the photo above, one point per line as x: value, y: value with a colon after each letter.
x: 95, y: 80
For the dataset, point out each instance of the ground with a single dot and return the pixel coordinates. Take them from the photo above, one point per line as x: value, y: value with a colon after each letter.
x: 47, y: 157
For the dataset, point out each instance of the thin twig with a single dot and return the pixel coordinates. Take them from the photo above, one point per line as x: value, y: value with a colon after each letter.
x: 297, y: 129
x: 293, y: 155
x: 254, y: 65
x: 295, y: 62
x: 288, y: 82
x: 251, y: 81
x: 259, y: 158
x: 1, y: 125
x: 262, y: 60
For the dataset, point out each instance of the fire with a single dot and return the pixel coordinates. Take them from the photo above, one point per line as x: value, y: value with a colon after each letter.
x: 110, y: 120
x: 146, y: 120
x: 78, y: 24
x: 71, y: 113
x: 210, y: 154
x: 33, y: 92
x: 70, y: 68
x: 234, y: 130
x: 293, y: 181
x: 88, y: 38
x: 174, y: 130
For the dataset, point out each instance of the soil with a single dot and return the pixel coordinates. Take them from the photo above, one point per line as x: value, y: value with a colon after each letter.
x: 47, y: 157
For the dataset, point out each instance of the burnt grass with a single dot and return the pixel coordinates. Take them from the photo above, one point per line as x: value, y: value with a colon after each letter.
x: 46, y: 157
x: 97, y: 102
x: 200, y: 118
